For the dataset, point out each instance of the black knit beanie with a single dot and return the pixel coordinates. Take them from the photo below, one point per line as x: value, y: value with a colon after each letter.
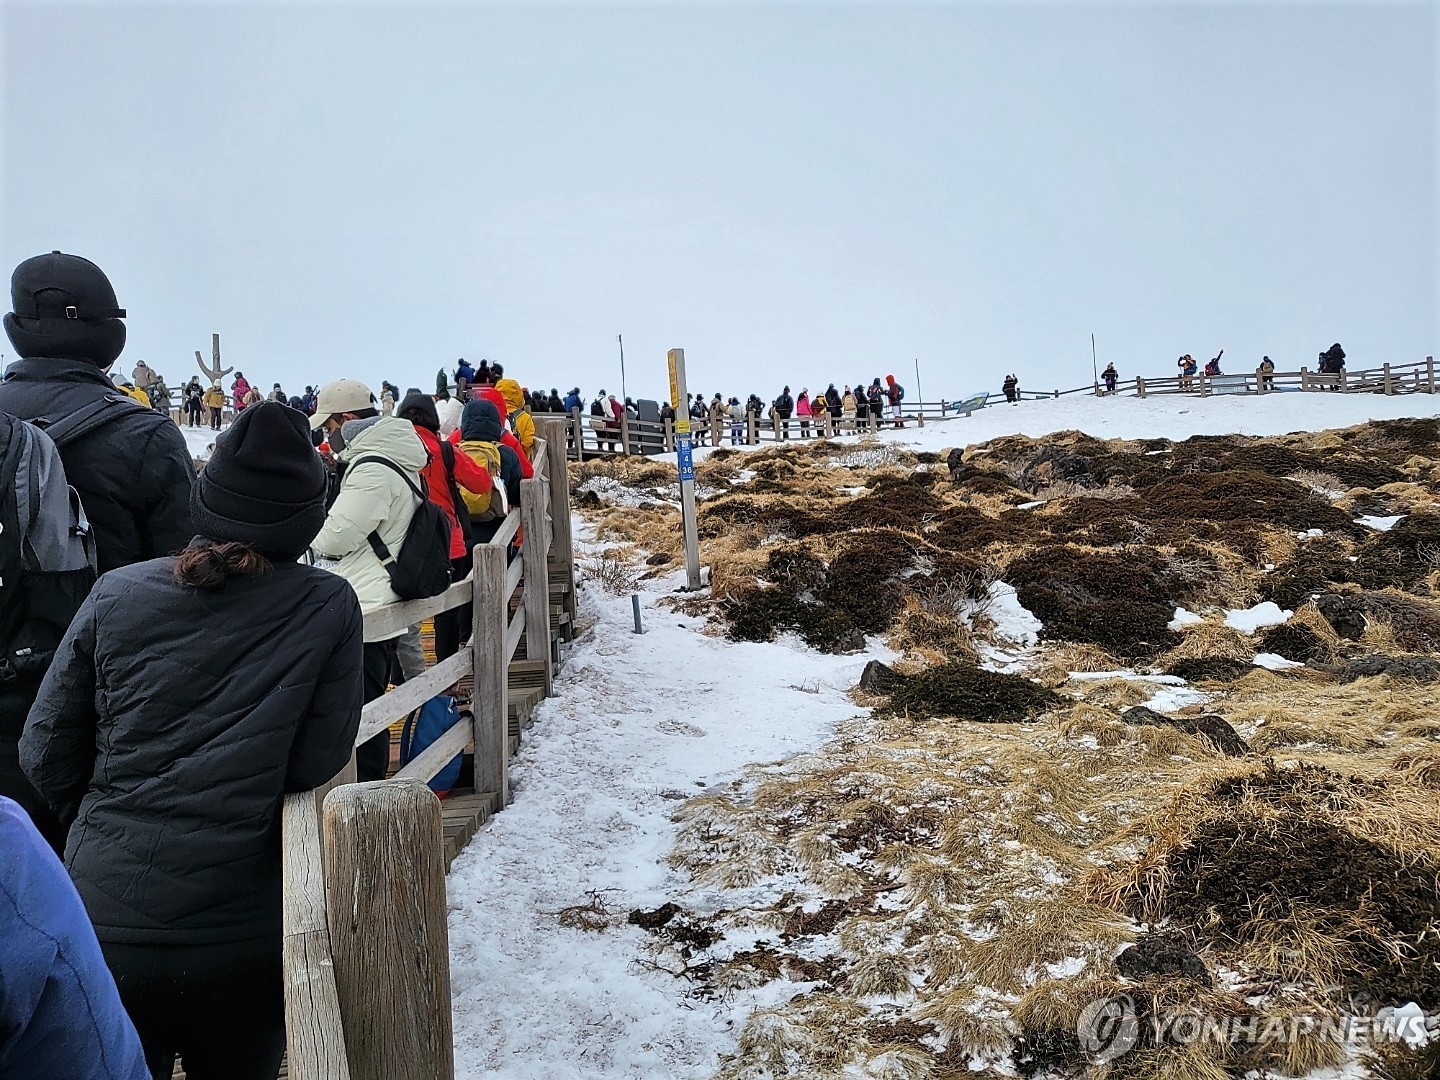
x: 263, y: 485
x: 420, y: 410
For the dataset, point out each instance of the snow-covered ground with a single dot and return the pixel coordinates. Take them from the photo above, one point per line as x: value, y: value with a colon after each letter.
x: 1165, y: 417
x: 639, y: 723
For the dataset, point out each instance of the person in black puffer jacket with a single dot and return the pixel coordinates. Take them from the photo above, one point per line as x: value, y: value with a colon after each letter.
x: 188, y: 697
x: 134, y: 474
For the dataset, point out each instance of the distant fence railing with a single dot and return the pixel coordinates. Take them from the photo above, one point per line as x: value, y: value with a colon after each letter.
x: 589, y: 436
x: 367, y: 991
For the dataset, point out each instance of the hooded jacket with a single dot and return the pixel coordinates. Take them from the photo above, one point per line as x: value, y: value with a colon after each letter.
x: 519, y: 415
x: 134, y: 474
x: 372, y: 498
x: 507, y: 437
x: 481, y: 434
x: 177, y: 719
x: 469, y: 477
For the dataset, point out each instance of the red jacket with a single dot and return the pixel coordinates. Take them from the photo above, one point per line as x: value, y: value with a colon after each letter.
x: 467, y: 474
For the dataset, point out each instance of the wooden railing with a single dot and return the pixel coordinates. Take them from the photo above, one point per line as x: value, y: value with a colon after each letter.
x: 589, y: 436
x: 366, y: 960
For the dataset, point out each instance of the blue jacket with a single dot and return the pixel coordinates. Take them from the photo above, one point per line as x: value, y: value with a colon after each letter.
x: 60, y: 1014
x: 573, y: 402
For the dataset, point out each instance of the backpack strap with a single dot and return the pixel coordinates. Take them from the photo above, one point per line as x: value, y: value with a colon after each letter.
x: 377, y: 545
x: 447, y: 457
x: 84, y: 421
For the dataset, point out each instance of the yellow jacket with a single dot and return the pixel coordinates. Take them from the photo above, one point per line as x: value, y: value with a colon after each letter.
x: 136, y: 393
x: 521, y: 420
x: 214, y: 399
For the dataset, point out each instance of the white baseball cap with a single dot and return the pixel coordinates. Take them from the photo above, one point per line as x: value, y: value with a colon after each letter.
x: 340, y: 396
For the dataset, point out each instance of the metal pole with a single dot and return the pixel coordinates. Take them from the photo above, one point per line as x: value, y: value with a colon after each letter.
x: 635, y: 605
x: 919, y: 397
x: 621, y: 339
x: 676, y: 358
x: 1094, y: 361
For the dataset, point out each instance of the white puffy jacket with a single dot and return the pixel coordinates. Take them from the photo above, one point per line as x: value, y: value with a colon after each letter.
x: 373, y: 497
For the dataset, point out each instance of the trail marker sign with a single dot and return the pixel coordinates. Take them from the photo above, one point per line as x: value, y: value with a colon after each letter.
x: 685, y: 459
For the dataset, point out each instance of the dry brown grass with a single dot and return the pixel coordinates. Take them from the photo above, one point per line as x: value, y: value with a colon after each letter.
x: 1210, y: 640
x: 948, y: 867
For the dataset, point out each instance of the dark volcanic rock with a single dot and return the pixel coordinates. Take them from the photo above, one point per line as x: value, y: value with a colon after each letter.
x: 1158, y: 954
x: 1213, y: 729
x: 878, y: 678
x: 1345, y: 614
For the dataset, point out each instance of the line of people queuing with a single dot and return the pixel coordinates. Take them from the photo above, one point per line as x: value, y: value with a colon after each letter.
x: 178, y: 652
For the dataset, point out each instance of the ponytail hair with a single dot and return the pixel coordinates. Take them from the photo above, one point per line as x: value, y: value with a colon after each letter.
x: 207, y: 564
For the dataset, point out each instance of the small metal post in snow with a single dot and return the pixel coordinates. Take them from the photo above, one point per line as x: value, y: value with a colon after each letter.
x: 635, y: 604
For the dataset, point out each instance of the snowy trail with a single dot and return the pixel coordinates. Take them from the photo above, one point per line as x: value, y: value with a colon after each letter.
x: 636, y: 724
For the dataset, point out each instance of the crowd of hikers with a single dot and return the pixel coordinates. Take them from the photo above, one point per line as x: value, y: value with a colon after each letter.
x: 179, y: 651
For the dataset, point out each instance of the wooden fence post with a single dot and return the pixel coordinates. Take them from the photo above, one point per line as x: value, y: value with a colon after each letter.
x: 314, y: 1031
x: 752, y: 428
x: 717, y: 428
x: 775, y: 423
x: 669, y: 436
x: 385, y: 875
x: 1304, y: 378
x: 1139, y: 386
x: 1344, y: 382
x: 562, y: 542
x: 1259, y: 380
x: 579, y: 429
x: 491, y: 704
x: 536, y: 595
x: 1430, y: 374
x: 625, y: 431
x: 1387, y: 383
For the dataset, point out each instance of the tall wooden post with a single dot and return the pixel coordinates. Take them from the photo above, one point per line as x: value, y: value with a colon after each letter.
x: 1139, y: 386
x: 536, y: 597
x: 717, y: 426
x: 578, y: 427
x: 752, y: 429
x: 491, y: 705
x: 385, y: 875
x: 1386, y: 382
x: 1430, y: 374
x: 1304, y: 378
x: 625, y: 431
x: 669, y: 436
x: 1344, y: 382
x: 562, y: 543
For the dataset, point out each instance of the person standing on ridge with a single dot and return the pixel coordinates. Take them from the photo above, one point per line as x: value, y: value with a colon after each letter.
x: 896, y: 394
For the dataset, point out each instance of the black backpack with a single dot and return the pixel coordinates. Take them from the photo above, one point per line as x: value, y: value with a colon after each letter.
x: 47, y: 554
x: 422, y: 565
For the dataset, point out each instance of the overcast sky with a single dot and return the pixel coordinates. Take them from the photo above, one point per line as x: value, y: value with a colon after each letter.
x: 793, y: 194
